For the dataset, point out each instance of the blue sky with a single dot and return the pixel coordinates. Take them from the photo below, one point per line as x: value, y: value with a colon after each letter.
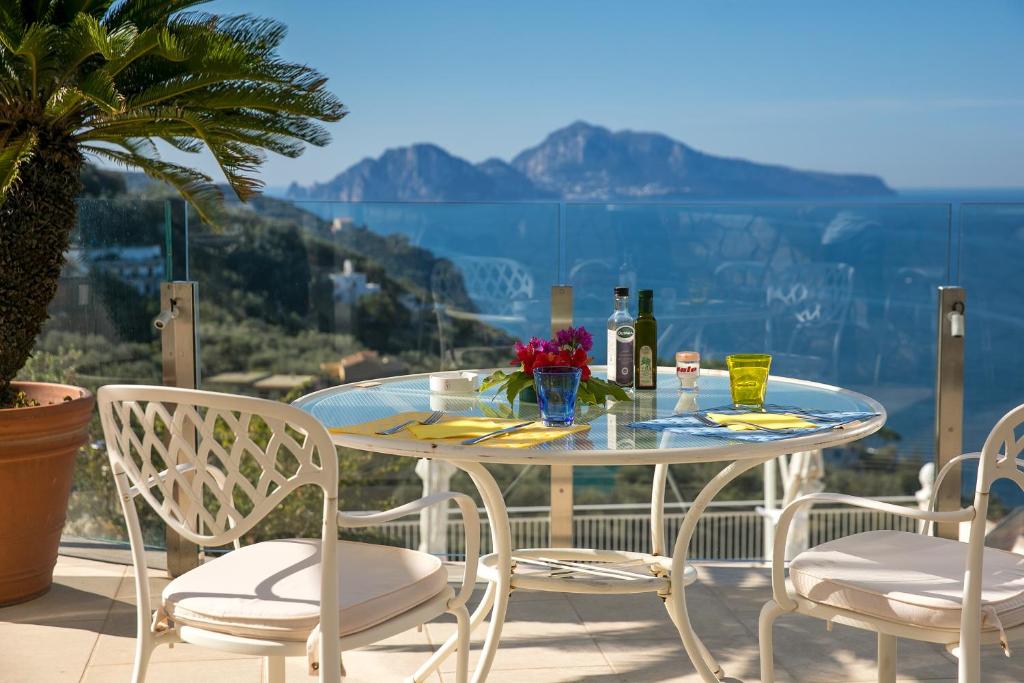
x: 925, y: 94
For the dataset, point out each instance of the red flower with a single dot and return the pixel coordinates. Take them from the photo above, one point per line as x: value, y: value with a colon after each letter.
x: 538, y: 354
x: 577, y: 358
x: 534, y: 355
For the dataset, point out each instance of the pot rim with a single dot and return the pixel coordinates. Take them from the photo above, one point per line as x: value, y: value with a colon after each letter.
x: 84, y: 395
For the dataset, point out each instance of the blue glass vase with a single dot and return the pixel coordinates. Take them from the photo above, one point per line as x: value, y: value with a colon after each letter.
x: 557, y: 388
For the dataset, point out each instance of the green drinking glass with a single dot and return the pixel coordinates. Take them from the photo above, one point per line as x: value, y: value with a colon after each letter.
x: 748, y: 378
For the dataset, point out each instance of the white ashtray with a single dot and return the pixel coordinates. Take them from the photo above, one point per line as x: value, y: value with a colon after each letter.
x: 453, y: 382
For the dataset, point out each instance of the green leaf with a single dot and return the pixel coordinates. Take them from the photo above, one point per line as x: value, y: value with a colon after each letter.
x: 602, y: 389
x: 496, y: 378
x: 586, y: 394
x: 516, y: 383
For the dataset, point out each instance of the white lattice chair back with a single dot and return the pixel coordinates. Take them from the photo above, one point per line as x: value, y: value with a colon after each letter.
x: 196, y: 457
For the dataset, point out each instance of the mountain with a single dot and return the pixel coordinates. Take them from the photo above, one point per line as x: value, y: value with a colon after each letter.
x: 423, y: 173
x: 582, y: 162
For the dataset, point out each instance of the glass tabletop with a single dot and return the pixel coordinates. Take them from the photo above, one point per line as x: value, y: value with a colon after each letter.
x: 609, y: 439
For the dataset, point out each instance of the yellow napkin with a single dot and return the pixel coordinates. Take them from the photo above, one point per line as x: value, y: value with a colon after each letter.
x: 452, y: 429
x: 767, y: 420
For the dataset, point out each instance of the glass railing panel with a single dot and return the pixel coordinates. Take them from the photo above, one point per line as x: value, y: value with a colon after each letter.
x: 100, y: 331
x: 991, y: 251
x: 300, y: 296
x: 841, y: 294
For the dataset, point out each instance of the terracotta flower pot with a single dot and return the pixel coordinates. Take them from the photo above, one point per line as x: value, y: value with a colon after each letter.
x: 37, y: 463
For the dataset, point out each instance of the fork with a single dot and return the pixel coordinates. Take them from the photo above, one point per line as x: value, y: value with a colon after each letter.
x: 434, y: 417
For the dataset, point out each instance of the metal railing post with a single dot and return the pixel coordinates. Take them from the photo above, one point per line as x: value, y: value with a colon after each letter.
x: 178, y: 325
x: 949, y: 400
x: 560, y: 530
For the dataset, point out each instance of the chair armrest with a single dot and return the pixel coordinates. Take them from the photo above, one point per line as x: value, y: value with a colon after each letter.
x: 779, y: 592
x: 929, y: 528
x: 470, y: 520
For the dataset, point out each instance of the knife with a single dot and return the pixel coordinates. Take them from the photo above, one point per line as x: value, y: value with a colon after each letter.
x: 490, y: 435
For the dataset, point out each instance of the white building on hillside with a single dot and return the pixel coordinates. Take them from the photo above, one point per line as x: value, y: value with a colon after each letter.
x: 350, y: 286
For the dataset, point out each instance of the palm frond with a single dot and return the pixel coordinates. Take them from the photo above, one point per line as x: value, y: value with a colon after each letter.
x: 155, y: 40
x: 145, y: 13
x: 83, y: 39
x: 10, y: 29
x: 284, y: 125
x: 15, y: 150
x: 270, y: 98
x: 65, y: 11
x: 196, y: 187
x: 141, y: 146
x: 98, y: 88
x: 259, y: 34
x: 184, y: 144
x: 35, y: 50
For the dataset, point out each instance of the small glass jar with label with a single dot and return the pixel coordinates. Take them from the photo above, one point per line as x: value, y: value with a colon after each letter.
x: 687, y: 369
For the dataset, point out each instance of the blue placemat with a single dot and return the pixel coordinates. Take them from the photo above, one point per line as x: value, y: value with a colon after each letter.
x: 690, y: 423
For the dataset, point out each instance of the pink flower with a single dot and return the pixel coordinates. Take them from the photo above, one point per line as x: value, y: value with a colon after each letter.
x: 575, y: 337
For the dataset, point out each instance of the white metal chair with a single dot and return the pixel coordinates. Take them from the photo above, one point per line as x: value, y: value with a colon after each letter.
x: 907, y: 585
x: 212, y: 466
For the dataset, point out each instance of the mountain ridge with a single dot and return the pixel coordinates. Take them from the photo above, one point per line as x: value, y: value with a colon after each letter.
x: 582, y: 162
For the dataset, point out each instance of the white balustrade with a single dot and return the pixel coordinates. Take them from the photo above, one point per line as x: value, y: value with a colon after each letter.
x: 732, y: 530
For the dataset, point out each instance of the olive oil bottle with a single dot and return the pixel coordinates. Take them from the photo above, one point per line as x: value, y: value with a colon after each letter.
x: 646, y: 371
x: 620, y: 341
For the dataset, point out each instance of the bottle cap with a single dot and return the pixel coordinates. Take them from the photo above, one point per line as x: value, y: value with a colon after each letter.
x: 646, y: 293
x: 622, y: 291
x: 687, y: 357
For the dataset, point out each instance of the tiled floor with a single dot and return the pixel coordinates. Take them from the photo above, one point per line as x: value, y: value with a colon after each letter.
x: 83, y: 630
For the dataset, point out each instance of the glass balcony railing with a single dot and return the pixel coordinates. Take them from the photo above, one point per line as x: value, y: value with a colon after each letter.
x: 296, y: 296
x: 100, y: 332
x: 841, y: 294
x: 991, y: 248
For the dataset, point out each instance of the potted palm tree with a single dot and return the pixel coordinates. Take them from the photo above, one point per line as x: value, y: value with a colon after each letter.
x: 106, y: 79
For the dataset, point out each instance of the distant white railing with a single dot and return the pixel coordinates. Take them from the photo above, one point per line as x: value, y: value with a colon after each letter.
x: 729, y: 530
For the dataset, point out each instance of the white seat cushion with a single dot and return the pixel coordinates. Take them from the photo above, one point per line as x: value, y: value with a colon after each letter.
x: 271, y: 590
x: 908, y: 578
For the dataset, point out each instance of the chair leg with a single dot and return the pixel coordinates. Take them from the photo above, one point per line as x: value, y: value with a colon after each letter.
x: 769, y: 613
x: 886, y: 658
x: 273, y: 670
x: 143, y: 651
x: 462, y: 647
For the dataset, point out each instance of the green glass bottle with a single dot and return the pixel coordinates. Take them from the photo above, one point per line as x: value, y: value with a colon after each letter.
x: 646, y: 345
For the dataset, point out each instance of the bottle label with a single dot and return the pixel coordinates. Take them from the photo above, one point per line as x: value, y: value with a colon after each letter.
x: 611, y: 365
x: 623, y: 341
x: 646, y: 378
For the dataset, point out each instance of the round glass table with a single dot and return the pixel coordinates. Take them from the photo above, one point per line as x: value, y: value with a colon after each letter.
x: 608, y: 441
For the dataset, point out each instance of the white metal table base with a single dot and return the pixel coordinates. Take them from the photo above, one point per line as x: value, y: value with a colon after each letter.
x: 580, y: 570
